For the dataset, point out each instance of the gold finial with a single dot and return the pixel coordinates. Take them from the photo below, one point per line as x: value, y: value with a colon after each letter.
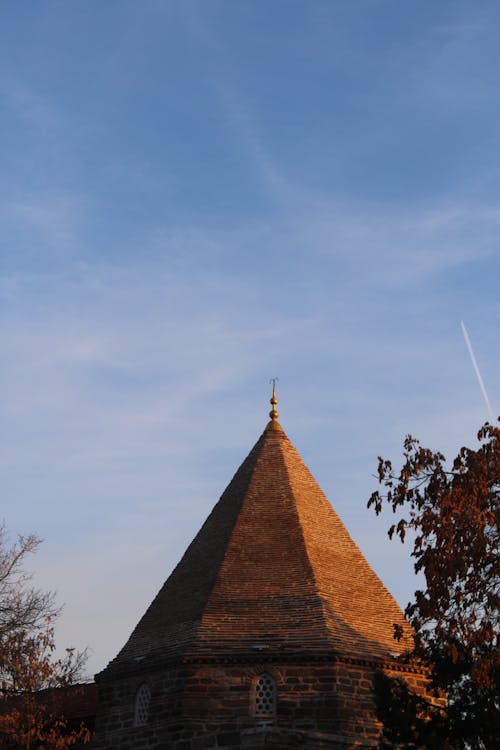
x: 273, y: 400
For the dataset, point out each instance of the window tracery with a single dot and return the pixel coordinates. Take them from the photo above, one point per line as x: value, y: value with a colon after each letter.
x: 264, y: 696
x: 142, y: 699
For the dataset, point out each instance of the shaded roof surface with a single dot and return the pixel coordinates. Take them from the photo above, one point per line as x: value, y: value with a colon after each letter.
x: 76, y: 703
x: 273, y: 566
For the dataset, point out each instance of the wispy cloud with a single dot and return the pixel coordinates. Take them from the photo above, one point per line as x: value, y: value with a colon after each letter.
x: 407, y: 247
x: 40, y: 231
x: 29, y: 105
x: 453, y: 75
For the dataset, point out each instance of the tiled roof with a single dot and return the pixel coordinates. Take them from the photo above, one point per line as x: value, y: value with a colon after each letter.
x: 76, y: 703
x: 272, y: 568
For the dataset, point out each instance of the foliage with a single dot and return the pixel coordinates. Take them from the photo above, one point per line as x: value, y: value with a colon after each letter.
x: 454, y: 515
x: 30, y: 714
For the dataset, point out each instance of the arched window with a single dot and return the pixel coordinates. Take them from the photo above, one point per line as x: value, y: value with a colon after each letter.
x: 263, y: 698
x: 142, y: 698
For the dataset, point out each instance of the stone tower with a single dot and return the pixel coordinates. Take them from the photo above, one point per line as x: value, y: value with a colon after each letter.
x: 267, y: 632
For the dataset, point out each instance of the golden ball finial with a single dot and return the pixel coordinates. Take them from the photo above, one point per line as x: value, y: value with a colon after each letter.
x: 274, y: 414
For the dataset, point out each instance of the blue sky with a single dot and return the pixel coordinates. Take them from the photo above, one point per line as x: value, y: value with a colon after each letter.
x: 198, y: 196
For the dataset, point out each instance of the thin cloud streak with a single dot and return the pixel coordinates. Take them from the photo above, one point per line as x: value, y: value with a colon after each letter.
x: 477, y: 370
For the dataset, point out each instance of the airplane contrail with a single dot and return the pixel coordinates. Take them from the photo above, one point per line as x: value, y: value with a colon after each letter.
x: 476, y: 368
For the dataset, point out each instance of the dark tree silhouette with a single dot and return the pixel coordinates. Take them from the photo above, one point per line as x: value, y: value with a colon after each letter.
x: 454, y: 514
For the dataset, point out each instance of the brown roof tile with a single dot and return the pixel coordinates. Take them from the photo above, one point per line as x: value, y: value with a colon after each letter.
x: 273, y: 566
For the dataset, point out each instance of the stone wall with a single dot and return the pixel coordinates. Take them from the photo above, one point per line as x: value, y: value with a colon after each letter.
x: 204, y: 705
x: 114, y: 726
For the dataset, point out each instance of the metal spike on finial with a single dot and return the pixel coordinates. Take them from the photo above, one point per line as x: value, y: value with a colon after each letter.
x: 273, y: 400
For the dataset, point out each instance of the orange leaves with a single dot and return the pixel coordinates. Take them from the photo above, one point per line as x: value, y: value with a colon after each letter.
x: 32, y: 724
x: 455, y: 515
x: 29, y: 714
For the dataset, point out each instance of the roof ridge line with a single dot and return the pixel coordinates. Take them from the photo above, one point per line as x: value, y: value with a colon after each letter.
x: 323, y: 604
x: 258, y: 451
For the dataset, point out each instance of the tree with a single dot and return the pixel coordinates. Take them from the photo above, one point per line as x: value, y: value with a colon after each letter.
x: 454, y: 516
x: 30, y: 712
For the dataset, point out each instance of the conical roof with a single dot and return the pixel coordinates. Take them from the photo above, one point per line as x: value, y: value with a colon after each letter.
x: 272, y: 568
